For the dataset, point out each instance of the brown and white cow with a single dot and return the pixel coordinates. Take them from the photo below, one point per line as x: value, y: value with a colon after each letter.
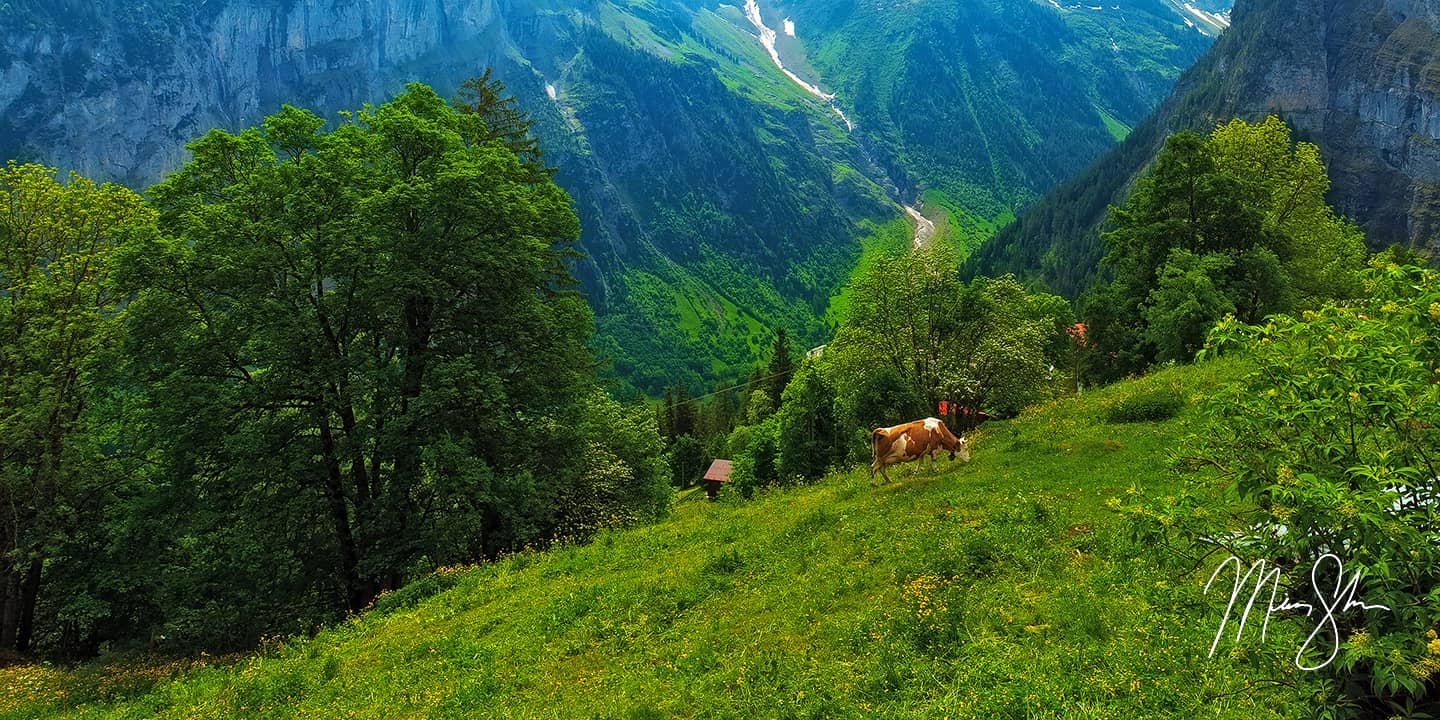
x: 912, y: 441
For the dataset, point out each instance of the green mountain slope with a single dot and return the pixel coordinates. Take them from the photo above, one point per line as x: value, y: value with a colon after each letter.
x: 988, y: 104
x: 718, y: 198
x: 1001, y: 588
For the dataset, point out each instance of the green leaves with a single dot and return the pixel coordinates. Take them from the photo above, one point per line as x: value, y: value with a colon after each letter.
x: 60, y: 318
x: 350, y: 354
x: 985, y: 345
x: 1233, y: 222
x: 1331, y: 436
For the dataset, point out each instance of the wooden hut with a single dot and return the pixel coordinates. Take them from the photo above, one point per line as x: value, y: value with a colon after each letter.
x: 715, y: 476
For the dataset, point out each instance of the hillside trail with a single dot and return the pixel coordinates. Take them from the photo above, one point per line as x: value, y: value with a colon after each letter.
x: 924, y: 227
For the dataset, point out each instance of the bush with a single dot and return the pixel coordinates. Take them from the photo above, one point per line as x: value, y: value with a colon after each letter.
x: 1327, y: 448
x: 412, y: 594
x: 1146, y: 407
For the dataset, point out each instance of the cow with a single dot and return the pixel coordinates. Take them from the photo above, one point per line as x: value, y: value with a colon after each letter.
x: 912, y: 441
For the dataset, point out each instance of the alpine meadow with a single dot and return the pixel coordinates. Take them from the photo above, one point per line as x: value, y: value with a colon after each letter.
x: 697, y: 359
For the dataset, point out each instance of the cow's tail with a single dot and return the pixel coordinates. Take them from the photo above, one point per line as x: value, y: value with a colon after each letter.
x: 875, y: 437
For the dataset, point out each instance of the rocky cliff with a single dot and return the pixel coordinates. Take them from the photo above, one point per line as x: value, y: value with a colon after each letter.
x: 1361, y: 78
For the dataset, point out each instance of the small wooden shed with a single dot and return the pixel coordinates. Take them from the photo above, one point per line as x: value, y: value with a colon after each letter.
x: 715, y: 476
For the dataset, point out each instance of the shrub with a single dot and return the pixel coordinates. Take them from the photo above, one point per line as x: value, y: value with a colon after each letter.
x: 414, y: 593
x: 1146, y: 407
x: 1327, y: 447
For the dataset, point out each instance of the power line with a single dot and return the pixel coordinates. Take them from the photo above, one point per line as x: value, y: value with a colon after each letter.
x: 745, y: 384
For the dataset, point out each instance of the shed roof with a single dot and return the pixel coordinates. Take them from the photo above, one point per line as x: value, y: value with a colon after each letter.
x: 719, y: 471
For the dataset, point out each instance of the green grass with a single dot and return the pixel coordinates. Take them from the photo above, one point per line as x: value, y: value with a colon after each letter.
x: 1118, y: 130
x: 999, y: 588
x: 879, y: 239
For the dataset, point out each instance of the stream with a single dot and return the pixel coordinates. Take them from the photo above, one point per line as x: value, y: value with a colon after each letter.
x: 924, y: 228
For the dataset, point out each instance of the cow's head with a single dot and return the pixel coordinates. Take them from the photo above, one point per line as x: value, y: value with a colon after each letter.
x: 961, y: 449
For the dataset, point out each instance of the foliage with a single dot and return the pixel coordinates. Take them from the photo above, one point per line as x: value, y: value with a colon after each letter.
x: 807, y: 427
x: 60, y: 320
x: 347, y: 355
x: 1146, y: 407
x: 1233, y: 222
x: 688, y: 460
x: 758, y: 465
x: 998, y: 588
x: 984, y: 345
x: 356, y: 290
x: 1326, y: 445
x: 781, y: 367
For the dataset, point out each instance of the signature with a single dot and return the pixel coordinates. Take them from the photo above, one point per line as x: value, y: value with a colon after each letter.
x: 1340, y: 601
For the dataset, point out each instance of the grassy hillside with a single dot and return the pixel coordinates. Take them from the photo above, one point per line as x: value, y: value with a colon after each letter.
x: 1000, y: 588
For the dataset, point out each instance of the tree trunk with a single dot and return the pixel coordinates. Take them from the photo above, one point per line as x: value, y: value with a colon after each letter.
x: 357, y: 454
x: 419, y: 318
x: 9, y: 606
x: 29, y: 592
x: 357, y: 595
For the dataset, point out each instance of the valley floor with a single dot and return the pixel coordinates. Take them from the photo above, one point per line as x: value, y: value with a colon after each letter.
x: 1000, y: 588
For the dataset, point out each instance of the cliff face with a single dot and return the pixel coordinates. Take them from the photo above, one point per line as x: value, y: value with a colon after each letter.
x: 1360, y: 78
x: 111, y: 101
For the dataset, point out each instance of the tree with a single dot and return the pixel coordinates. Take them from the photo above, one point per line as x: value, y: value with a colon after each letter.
x: 1185, y: 304
x: 686, y: 417
x: 808, y: 433
x: 997, y: 348
x: 913, y: 324
x: 899, y: 313
x: 1238, y: 216
x: 760, y: 407
x: 60, y: 313
x: 377, y: 326
x: 781, y: 367
x: 757, y: 465
x: 688, y: 461
x: 502, y: 121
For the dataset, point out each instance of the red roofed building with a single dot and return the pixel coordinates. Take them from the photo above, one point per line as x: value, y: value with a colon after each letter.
x: 718, y: 473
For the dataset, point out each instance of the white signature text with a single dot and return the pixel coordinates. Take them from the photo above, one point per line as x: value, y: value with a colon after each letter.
x: 1341, y: 600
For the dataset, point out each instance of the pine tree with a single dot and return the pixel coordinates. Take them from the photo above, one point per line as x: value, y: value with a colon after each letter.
x: 781, y: 367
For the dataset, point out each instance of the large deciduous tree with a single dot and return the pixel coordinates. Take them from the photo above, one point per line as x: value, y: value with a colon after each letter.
x: 365, y: 355
x: 916, y: 335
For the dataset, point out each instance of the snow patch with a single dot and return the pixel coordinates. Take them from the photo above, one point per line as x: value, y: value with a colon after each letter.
x: 767, y: 40
x: 550, y: 90
x: 1221, y: 21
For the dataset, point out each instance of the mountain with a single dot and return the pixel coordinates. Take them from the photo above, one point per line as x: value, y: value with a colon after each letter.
x: 1360, y: 78
x: 721, y: 195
